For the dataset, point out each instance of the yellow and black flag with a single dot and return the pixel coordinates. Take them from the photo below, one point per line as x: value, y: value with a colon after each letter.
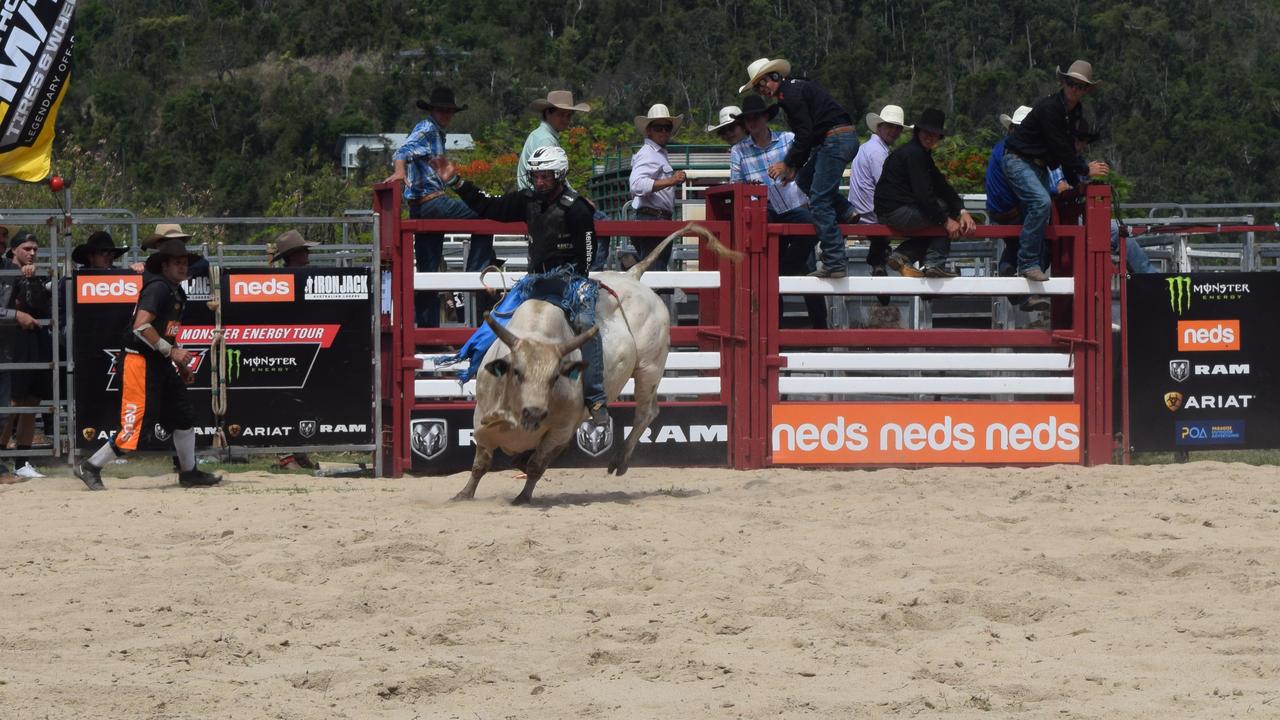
x: 35, y: 67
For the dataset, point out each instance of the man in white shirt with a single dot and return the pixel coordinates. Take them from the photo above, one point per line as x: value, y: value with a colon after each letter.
x: 653, y: 181
x: 864, y: 173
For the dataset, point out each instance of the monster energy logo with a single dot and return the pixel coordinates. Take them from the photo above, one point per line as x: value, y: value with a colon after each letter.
x: 234, y: 359
x: 1179, y: 293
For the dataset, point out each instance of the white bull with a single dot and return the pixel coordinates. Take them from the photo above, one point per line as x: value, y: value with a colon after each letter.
x: 529, y: 392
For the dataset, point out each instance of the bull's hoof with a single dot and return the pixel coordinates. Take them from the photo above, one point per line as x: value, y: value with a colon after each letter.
x: 522, y: 499
x: 617, y: 468
x: 460, y: 497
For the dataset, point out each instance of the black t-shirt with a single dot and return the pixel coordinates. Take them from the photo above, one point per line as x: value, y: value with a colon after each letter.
x: 166, y: 302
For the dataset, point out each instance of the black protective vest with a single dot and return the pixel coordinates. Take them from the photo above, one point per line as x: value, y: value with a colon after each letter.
x: 550, y: 244
x: 168, y: 320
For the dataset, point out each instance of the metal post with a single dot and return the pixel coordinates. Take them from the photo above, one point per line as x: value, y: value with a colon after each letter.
x: 376, y: 303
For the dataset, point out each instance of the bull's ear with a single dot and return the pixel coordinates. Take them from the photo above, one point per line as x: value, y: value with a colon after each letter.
x: 572, y: 368
x: 498, y: 367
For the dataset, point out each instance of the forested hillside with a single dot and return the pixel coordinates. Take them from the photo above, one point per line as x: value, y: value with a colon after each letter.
x: 235, y: 107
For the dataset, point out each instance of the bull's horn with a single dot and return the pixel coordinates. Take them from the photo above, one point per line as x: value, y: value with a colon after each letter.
x: 578, y: 340
x: 505, y: 335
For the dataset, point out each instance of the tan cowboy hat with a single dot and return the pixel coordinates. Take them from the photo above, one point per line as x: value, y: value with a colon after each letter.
x: 1079, y: 70
x: 891, y: 114
x: 1016, y: 119
x: 168, y: 248
x: 561, y: 99
x: 290, y: 241
x: 165, y: 231
x: 763, y: 67
x: 659, y: 112
x: 728, y: 116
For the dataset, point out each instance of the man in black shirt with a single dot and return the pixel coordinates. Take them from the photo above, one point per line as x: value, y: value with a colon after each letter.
x: 1042, y: 143
x: 561, y: 245
x: 912, y: 194
x: 155, y: 371
x: 824, y: 146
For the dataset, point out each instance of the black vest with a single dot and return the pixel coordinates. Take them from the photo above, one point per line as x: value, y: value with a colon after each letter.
x: 168, y: 320
x: 550, y: 244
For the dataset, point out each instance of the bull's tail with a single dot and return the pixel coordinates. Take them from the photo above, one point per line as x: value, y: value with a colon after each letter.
x: 713, y: 243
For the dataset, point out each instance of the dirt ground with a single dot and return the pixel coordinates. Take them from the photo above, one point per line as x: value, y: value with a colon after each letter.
x: 1048, y: 593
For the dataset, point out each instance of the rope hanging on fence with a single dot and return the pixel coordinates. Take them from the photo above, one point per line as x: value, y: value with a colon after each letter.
x: 217, y: 359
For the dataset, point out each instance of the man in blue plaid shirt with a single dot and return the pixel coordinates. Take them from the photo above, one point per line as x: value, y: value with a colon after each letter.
x: 749, y: 162
x: 426, y: 198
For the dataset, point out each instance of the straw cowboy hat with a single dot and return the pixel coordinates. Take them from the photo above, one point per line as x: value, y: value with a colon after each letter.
x: 755, y: 104
x: 659, y: 112
x: 100, y: 240
x: 1079, y: 70
x: 289, y: 242
x: 168, y: 248
x: 762, y: 67
x: 165, y: 231
x: 728, y: 116
x: 1018, y: 116
x: 891, y: 114
x: 559, y: 99
x: 441, y: 97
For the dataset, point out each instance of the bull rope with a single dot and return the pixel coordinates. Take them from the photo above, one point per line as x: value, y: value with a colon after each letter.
x: 217, y: 360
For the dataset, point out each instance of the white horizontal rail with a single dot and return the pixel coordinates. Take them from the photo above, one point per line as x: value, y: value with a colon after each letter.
x: 1050, y: 362
x: 923, y: 286
x: 675, y: 361
x: 450, y: 389
x: 926, y: 386
x: 664, y: 279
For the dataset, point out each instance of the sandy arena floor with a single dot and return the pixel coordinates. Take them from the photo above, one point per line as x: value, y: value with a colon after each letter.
x: 1051, y: 593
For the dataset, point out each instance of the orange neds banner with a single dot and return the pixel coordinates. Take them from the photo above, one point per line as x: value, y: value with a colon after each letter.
x: 926, y: 433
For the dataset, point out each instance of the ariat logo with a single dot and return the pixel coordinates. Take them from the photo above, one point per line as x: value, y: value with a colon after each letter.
x: 261, y: 288
x: 1173, y: 401
x: 1179, y: 293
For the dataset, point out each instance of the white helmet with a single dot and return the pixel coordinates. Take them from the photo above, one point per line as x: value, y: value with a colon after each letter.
x: 549, y: 158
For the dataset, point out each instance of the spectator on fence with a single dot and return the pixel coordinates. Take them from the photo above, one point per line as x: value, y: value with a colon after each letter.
x: 825, y: 143
x: 913, y: 195
x: 1042, y: 142
x: 557, y: 111
x: 886, y: 127
x: 30, y: 344
x: 425, y: 195
x: 292, y: 250
x: 653, y: 181
x: 1003, y: 207
x: 749, y: 161
x: 561, y: 226
x: 729, y: 127
x: 171, y: 231
x: 155, y: 372
x: 12, y: 321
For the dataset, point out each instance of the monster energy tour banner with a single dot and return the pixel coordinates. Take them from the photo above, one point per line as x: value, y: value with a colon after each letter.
x: 683, y: 435
x: 1204, y: 361
x: 298, y: 350
x: 35, y: 36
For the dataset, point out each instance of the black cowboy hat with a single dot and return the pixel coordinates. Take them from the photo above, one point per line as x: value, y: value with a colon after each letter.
x: 100, y: 240
x: 441, y: 97
x: 932, y: 120
x: 171, y: 248
x: 756, y: 104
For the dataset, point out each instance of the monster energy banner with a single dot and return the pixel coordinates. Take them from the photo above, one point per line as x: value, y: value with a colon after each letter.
x: 1204, y: 361
x: 682, y: 436
x: 35, y: 69
x: 298, y: 351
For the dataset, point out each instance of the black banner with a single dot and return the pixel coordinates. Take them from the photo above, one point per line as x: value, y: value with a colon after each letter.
x: 298, y: 346
x: 1204, y: 361
x: 682, y: 436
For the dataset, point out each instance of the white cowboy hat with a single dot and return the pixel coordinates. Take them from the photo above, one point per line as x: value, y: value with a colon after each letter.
x: 762, y: 67
x: 728, y: 116
x: 891, y: 114
x: 561, y: 99
x: 1079, y: 70
x: 1018, y: 116
x: 659, y: 112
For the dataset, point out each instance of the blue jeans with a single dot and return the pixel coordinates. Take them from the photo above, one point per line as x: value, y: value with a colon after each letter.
x: 600, y: 254
x: 795, y: 257
x: 1136, y: 259
x: 428, y: 251
x: 820, y: 179
x: 1030, y: 182
x: 577, y: 297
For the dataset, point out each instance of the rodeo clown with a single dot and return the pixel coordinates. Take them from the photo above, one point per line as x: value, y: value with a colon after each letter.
x: 155, y: 371
x: 561, y: 247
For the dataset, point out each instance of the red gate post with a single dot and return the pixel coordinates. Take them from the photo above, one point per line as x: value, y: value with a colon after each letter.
x: 744, y: 208
x: 386, y: 208
x: 1095, y: 281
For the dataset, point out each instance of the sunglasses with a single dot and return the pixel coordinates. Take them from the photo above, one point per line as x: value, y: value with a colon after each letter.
x: 774, y: 76
x: 661, y: 127
x: 1075, y: 84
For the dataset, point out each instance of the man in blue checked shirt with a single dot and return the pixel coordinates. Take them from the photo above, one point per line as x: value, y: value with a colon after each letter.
x: 749, y: 161
x: 426, y: 198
